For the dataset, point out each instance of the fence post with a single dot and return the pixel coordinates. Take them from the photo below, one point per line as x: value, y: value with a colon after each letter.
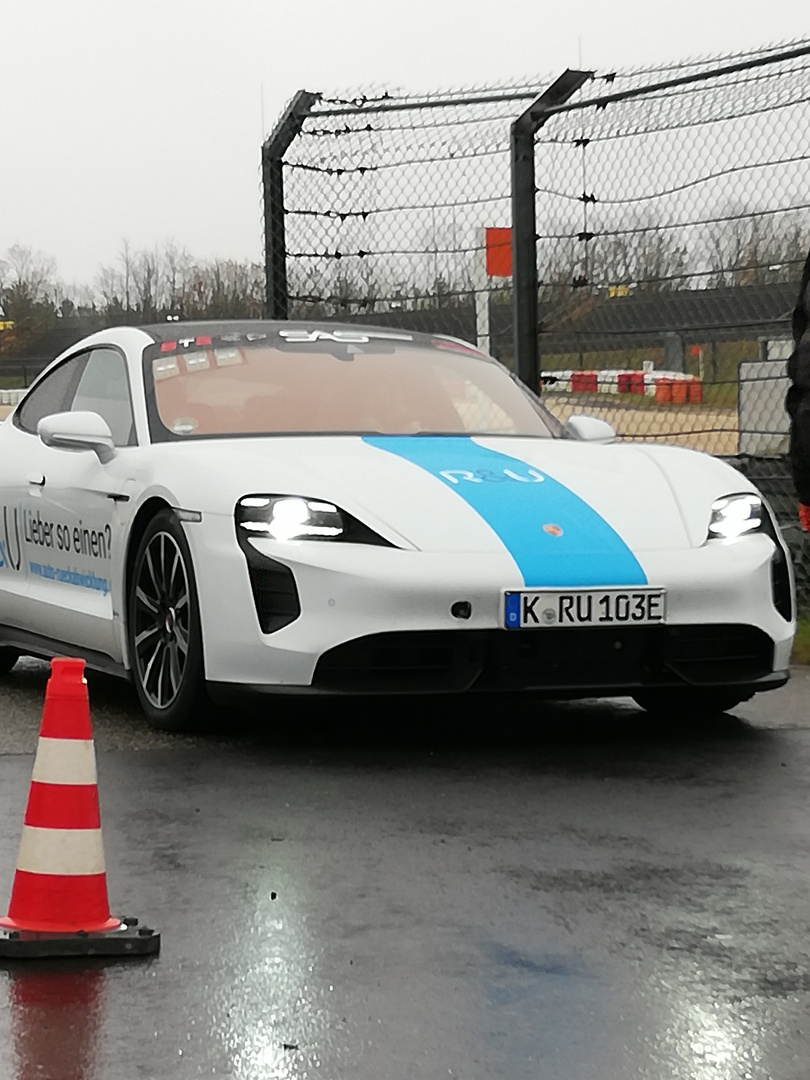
x: 275, y: 240
x: 524, y: 222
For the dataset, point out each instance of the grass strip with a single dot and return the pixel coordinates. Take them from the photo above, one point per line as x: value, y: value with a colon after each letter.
x: 801, y: 647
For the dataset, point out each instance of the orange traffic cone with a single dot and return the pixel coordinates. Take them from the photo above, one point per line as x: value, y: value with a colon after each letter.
x: 59, y: 904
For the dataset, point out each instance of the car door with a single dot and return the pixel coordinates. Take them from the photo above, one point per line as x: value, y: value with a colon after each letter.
x: 70, y: 521
x: 51, y: 394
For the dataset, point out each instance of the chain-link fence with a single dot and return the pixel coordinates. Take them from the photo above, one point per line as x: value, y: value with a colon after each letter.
x: 636, y: 236
x: 383, y: 209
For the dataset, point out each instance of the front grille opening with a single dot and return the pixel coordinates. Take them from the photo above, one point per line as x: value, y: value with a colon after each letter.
x: 716, y: 654
x: 417, y: 661
x: 565, y: 656
x: 570, y: 659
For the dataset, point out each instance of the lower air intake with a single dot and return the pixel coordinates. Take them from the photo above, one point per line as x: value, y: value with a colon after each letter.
x: 570, y: 660
x: 274, y: 593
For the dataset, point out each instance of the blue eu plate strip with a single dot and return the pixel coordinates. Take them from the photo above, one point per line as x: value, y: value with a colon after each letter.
x: 553, y: 535
x: 512, y: 612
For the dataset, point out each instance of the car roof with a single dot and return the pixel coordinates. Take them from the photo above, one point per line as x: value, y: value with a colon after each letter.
x: 171, y: 331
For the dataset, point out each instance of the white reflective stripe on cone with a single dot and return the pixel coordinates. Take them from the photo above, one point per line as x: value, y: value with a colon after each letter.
x: 61, y: 851
x: 65, y: 761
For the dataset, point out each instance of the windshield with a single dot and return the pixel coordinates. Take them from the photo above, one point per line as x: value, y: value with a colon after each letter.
x: 332, y: 387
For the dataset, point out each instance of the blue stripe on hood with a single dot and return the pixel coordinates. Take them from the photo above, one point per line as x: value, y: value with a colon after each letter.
x: 517, y: 500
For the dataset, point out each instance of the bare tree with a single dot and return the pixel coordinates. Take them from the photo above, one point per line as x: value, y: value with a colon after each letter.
x: 110, y: 284
x: 28, y: 278
x: 126, y: 259
x: 147, y: 279
x: 177, y: 274
x: 754, y: 249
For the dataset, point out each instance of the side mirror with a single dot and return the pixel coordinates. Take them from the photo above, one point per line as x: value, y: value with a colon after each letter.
x: 78, y: 431
x: 590, y: 429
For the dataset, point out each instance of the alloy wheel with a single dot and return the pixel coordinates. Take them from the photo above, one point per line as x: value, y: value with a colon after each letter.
x: 162, y: 617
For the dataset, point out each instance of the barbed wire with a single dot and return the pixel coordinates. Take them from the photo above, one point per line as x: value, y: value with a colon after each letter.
x: 667, y: 226
x: 681, y: 126
x: 711, y: 60
x: 486, y: 199
x: 398, y: 163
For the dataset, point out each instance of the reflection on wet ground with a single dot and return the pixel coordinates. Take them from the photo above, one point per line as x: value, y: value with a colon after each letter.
x: 452, y: 888
x: 55, y: 1014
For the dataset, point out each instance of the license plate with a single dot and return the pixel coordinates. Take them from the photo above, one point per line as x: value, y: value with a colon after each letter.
x: 538, y: 608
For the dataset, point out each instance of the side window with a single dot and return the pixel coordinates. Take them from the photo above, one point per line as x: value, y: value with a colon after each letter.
x: 51, y: 395
x: 104, y: 389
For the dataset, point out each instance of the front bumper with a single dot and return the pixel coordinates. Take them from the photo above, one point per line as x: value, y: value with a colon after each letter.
x: 569, y: 662
x: 352, y: 596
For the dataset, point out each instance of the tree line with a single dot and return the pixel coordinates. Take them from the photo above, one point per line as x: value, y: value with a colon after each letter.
x: 140, y: 286
x: 740, y: 249
x: 147, y: 285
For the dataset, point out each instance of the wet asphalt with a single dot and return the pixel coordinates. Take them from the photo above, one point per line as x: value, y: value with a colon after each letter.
x: 433, y: 889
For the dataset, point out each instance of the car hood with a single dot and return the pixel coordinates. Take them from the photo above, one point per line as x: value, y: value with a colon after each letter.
x: 462, y: 494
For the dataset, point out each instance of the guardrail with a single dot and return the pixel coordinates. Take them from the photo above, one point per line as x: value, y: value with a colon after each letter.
x: 26, y: 369
x: 664, y: 386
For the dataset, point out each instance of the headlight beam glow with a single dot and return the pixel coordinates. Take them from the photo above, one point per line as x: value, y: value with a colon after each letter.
x: 289, y: 517
x: 734, y: 516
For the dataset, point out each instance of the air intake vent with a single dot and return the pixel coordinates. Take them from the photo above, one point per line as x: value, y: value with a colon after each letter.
x: 274, y: 594
x: 274, y: 591
x: 718, y: 653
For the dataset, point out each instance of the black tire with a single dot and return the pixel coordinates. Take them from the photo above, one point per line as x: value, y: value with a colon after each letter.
x: 689, y: 702
x: 163, y: 628
x: 8, y: 658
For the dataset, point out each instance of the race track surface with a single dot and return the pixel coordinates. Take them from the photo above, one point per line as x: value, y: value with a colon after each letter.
x: 431, y: 889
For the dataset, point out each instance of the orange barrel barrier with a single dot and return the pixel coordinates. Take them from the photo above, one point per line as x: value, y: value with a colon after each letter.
x: 680, y: 391
x: 663, y: 390
x: 695, y: 394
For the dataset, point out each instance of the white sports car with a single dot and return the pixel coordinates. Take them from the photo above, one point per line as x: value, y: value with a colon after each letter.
x: 317, y: 508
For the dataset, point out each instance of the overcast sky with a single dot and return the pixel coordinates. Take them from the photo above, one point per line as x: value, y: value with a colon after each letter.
x: 142, y: 119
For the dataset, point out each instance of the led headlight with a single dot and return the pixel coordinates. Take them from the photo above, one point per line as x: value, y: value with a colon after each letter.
x: 285, y: 517
x: 736, y: 515
x: 293, y: 517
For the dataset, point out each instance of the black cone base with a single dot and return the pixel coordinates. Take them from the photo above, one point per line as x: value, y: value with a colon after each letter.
x: 130, y: 940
